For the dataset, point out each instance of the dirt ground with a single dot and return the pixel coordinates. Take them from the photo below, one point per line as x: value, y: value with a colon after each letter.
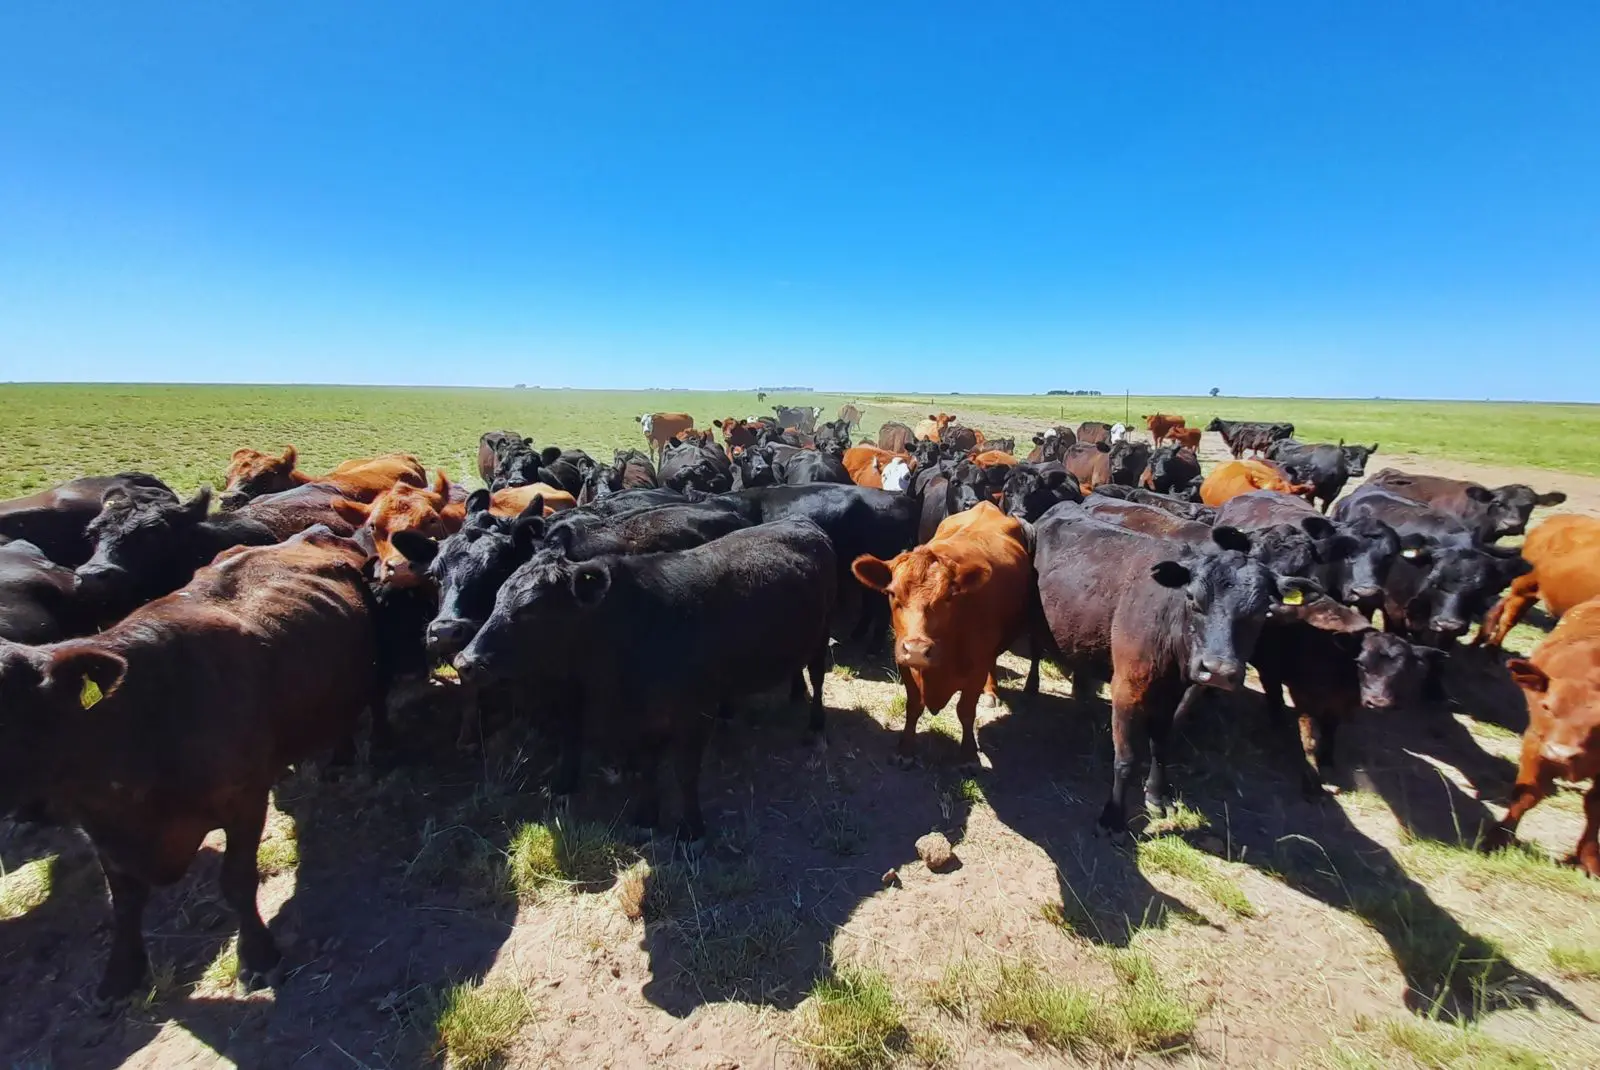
x: 1308, y: 930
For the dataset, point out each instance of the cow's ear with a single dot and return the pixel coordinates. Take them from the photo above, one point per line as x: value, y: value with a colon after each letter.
x: 1318, y: 527
x: 1527, y: 675
x: 528, y: 530
x: 1055, y: 480
x: 549, y: 455
x: 1102, y: 447
x: 1480, y: 495
x: 1231, y: 538
x: 197, y: 507
x: 352, y: 511
x: 417, y: 547
x: 1319, y: 611
x: 1555, y: 497
x: 1170, y: 574
x: 1038, y: 440
x: 1414, y: 548
x: 873, y: 572
x: 441, y: 485
x: 590, y: 582
x: 479, y: 501
x: 972, y: 574
x: 90, y: 675
x: 290, y: 458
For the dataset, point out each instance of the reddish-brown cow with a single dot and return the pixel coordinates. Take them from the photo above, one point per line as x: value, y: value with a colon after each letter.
x: 931, y: 428
x: 178, y: 720
x: 1565, y: 554
x: 1234, y: 478
x: 1161, y: 424
x: 660, y: 427
x: 958, y: 602
x: 252, y: 473
x: 1562, y: 685
x: 1188, y: 437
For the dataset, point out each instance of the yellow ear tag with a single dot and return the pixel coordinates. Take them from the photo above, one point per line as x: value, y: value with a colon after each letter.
x: 1293, y: 597
x: 90, y: 693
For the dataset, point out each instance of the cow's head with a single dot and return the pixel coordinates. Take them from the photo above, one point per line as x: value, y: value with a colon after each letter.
x: 403, y: 507
x: 926, y: 588
x: 44, y: 693
x: 1566, y: 712
x: 1510, y: 507
x: 252, y: 473
x: 143, y: 547
x: 1359, y: 555
x: 1392, y: 671
x: 542, y: 606
x: 757, y: 466
x: 1228, y: 598
x: 1454, y: 586
x: 1029, y: 492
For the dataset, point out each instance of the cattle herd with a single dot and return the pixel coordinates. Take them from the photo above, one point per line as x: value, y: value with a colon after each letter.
x: 163, y: 663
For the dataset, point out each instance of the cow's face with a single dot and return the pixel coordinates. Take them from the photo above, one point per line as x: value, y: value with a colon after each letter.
x: 924, y: 590
x: 141, y: 547
x: 1513, y: 504
x: 1286, y: 549
x: 1362, y: 553
x: 43, y: 692
x: 468, y: 568
x: 402, y: 507
x: 541, y: 606
x: 1391, y: 670
x: 1227, y: 599
x: 1458, y: 588
x: 756, y: 466
x: 1565, y: 711
x: 252, y: 473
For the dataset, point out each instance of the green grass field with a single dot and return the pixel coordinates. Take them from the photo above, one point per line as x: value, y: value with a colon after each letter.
x: 186, y: 433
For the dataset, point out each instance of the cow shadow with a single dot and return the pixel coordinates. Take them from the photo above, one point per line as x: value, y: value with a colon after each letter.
x: 383, y: 912
x: 800, y: 837
x: 1313, y: 847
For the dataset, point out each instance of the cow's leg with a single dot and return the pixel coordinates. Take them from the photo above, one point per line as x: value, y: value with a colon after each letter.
x: 1083, y: 686
x: 471, y: 729
x: 1157, y: 727
x: 1587, y: 856
x: 569, y: 753
x: 991, y: 691
x: 1030, y: 687
x: 258, y: 955
x: 1508, y: 611
x: 128, y: 963
x: 1534, y: 782
x: 644, y: 766
x: 383, y: 745
x: 967, y: 714
x: 908, y: 734
x: 819, y: 672
x: 688, y: 751
x: 1125, y: 709
x: 1327, y: 738
x: 797, y: 687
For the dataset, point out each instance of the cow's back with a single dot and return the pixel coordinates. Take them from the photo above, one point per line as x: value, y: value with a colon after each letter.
x: 995, y: 611
x: 1565, y: 554
x: 1087, y: 569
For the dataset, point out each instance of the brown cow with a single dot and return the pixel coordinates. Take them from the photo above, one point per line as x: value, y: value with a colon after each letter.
x: 894, y: 437
x: 1161, y: 424
x: 434, y: 512
x: 659, y: 427
x: 958, y: 601
x: 993, y: 458
x: 1561, y: 683
x: 252, y: 473
x: 1565, y: 554
x: 1093, y: 431
x: 866, y: 464
x: 1233, y: 478
x: 930, y: 429
x: 849, y: 414
x: 738, y: 434
x: 179, y: 719
x: 1186, y: 437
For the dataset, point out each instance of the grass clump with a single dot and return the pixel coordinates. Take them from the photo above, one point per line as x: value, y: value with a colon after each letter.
x: 1063, y: 1016
x: 27, y: 887
x: 853, y: 1022
x: 222, y: 972
x: 546, y: 855
x: 1574, y: 960
x: 970, y: 791
x: 476, y: 1024
x: 1404, y: 1045
x: 1175, y: 857
x: 1180, y: 818
x: 1149, y: 1016
x: 1517, y: 864
x: 277, y: 855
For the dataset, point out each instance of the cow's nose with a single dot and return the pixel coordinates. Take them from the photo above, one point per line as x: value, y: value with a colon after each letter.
x: 1224, y: 674
x: 915, y: 651
x: 469, y: 667
x: 447, y: 637
x: 1560, y: 753
x: 1366, y: 594
x: 1450, y: 626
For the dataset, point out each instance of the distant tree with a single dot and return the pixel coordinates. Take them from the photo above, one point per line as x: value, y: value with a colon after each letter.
x: 1216, y: 390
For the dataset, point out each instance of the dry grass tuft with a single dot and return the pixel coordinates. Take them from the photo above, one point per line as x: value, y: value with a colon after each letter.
x: 1423, y: 1045
x: 222, y: 972
x: 852, y: 1021
x: 1575, y: 960
x: 27, y: 887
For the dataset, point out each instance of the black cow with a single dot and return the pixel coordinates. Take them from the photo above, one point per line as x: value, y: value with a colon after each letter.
x: 628, y: 470
x: 1444, y: 579
x: 1325, y: 467
x: 1187, y: 510
x: 1173, y: 470
x: 38, y: 598
x: 814, y: 466
x: 57, y: 520
x: 147, y: 544
x: 833, y: 438
x: 1050, y: 445
x: 1355, y: 555
x: 1356, y: 457
x: 1244, y: 436
x: 495, y: 448
x: 803, y: 419
x: 1154, y: 616
x: 705, y: 468
x: 1030, y: 490
x: 1491, y: 514
x: 696, y: 628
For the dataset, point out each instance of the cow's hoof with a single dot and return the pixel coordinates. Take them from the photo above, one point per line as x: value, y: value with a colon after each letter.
x: 253, y: 980
x: 109, y: 1006
x: 907, y: 761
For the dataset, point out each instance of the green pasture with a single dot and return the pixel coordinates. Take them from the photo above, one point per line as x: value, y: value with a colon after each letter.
x: 51, y: 432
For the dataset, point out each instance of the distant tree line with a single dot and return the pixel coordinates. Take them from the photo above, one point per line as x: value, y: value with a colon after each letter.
x: 785, y: 389
x: 1073, y: 393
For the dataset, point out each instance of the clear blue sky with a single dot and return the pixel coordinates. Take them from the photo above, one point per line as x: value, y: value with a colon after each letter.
x: 1326, y: 198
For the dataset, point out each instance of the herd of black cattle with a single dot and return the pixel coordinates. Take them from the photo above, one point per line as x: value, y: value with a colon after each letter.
x: 162, y: 664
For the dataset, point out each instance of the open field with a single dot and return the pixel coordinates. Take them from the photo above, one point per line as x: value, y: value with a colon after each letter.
x: 441, y: 914
x: 186, y: 433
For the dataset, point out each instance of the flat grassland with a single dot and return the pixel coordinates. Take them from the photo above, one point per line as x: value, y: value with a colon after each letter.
x: 444, y: 913
x: 186, y: 433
